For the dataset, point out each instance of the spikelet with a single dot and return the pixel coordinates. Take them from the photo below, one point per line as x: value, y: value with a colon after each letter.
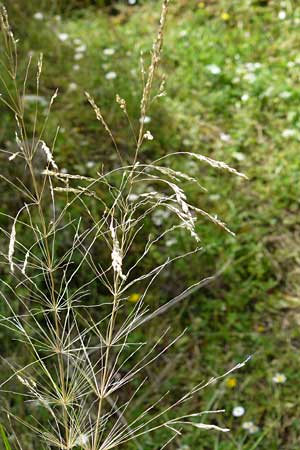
x: 11, y: 248
x: 116, y: 254
x: 49, y: 156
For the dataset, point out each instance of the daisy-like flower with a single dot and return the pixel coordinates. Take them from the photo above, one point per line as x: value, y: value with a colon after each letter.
x: 35, y: 99
x: 148, y: 136
x: 239, y: 156
x: 279, y: 378
x: 72, y: 87
x: 282, y: 15
x: 38, y: 16
x: 290, y: 64
x: 131, y: 2
x: 132, y: 197
x: 159, y: 216
x: 170, y: 242
x: 214, y: 197
x: 250, y: 427
x: 285, y: 94
x: 82, y: 440
x: 78, y: 56
x: 250, y: 77
x: 63, y: 36
x: 245, y: 97
x: 225, y: 137
x: 214, y: 69
x: 183, y: 33
x: 288, y: 133
x: 76, y: 67
x: 238, y: 411
x: 108, y: 51
x: 147, y: 119
x: 81, y: 49
x: 90, y: 164
x: 110, y: 75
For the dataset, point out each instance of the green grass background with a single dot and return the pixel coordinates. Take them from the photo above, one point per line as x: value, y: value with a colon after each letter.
x: 254, y: 306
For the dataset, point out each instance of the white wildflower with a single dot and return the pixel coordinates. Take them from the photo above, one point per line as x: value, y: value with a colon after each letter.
x: 63, y: 36
x: 90, y: 164
x: 288, y: 133
x: 238, y: 411
x: 252, y: 66
x: 285, y: 94
x: 72, y: 87
x: 214, y: 69
x: 77, y: 41
x: 183, y: 33
x: 250, y: 427
x: 76, y: 67
x: 81, y: 49
x: 131, y: 2
x: 250, y: 77
x: 247, y: 425
x: 148, y: 136
x: 133, y: 197
x: 35, y: 99
x: 282, y: 15
x: 290, y: 64
x: 81, y: 440
x: 159, y: 216
x: 239, y: 156
x: 245, y: 97
x: 110, y: 75
x: 214, y: 197
x: 78, y: 56
x: 147, y: 119
x: 279, y: 378
x: 108, y: 51
x: 186, y: 142
x: 170, y: 242
x: 225, y: 137
x: 38, y: 15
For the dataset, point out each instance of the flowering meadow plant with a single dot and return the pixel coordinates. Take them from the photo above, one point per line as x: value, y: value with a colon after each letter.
x: 82, y: 369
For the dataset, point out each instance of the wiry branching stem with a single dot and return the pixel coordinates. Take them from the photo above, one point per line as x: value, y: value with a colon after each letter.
x: 77, y: 248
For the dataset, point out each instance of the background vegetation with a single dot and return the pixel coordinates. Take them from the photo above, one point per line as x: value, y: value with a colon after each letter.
x: 232, y: 82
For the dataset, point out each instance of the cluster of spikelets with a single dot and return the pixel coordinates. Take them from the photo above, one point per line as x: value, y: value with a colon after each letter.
x: 81, y: 352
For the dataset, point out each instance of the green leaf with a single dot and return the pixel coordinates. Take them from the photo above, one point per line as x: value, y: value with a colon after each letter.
x: 4, y: 438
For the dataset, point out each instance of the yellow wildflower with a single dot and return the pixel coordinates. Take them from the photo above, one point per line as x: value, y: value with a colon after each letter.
x: 225, y: 16
x: 201, y: 5
x: 133, y: 298
x: 260, y: 328
x: 231, y: 382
